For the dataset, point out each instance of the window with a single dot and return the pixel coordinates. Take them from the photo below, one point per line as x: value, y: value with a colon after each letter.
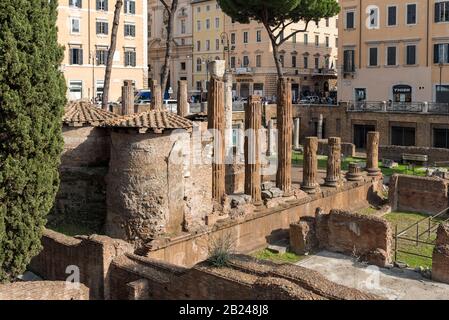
x: 306, y: 62
x: 336, y: 42
x: 217, y: 23
x: 232, y: 38
x: 411, y: 55
x: 348, y: 61
x: 392, y: 16
x: 130, y: 30
x: 317, y: 40
x: 245, y: 61
x: 317, y: 62
x: 245, y: 37
x: 76, y: 55
x: 442, y: 11
x: 327, y: 42
x: 442, y: 94
x: 183, y: 26
x: 102, y: 27
x: 258, y: 61
x: 294, y: 36
x: 403, y: 136
x: 411, y: 14
x: 306, y: 39
x: 374, y: 18
x: 198, y: 25
x: 99, y: 86
x: 373, y: 52
x: 233, y: 62
x: 282, y: 60
x: 75, y: 90
x: 75, y: 3
x: 130, y: 6
x: 198, y: 65
x: 350, y: 19
x: 293, y: 61
x: 391, y: 56
x: 259, y: 36
x: 327, y: 22
x: 441, y: 138
x: 198, y: 46
x: 207, y: 45
x: 102, y: 5
x: 217, y: 44
x: 102, y: 56
x: 75, y: 25
x: 183, y: 66
x: 441, y: 53
x: 130, y: 57
x: 207, y: 24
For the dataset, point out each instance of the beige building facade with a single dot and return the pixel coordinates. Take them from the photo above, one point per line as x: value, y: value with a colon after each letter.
x: 181, y: 61
x: 394, y: 51
x: 85, y: 32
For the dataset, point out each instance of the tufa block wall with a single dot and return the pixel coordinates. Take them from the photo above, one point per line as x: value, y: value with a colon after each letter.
x: 440, y: 259
x: 43, y: 290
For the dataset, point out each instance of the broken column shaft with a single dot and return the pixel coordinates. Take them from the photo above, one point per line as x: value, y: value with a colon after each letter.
x: 127, y: 98
x: 156, y: 96
x: 183, y: 104
x: 372, y: 154
x: 333, y: 176
x: 310, y: 170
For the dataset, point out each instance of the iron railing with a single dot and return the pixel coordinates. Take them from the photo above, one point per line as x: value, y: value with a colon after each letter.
x: 399, y: 107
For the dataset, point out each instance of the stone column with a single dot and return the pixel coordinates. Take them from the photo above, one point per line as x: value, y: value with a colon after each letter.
x: 372, y: 154
x: 354, y: 172
x: 253, y: 124
x: 296, y: 134
x: 241, y: 138
x: 270, y: 138
x: 320, y: 127
x: 127, y: 98
x: 228, y: 112
x: 284, y: 125
x: 310, y: 170
x: 183, y: 103
x: 156, y: 96
x: 216, y: 123
x: 333, y: 177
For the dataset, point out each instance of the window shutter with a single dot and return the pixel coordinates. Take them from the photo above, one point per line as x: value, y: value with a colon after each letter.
x: 98, y: 27
x: 70, y: 56
x: 81, y: 3
x: 81, y: 56
x: 134, y: 59
x: 133, y: 7
x: 437, y: 12
x: 106, y: 7
x: 436, y: 55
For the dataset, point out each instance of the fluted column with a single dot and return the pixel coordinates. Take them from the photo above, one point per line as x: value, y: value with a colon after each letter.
x: 296, y: 134
x: 216, y: 123
x: 127, y: 98
x: 270, y: 138
x: 253, y: 124
x: 228, y: 112
x: 310, y: 170
x: 354, y: 172
x: 320, y: 127
x: 372, y: 153
x: 183, y: 103
x: 284, y: 124
x: 156, y: 96
x: 333, y: 176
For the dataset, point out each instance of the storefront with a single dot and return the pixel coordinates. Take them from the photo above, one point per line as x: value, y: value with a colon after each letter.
x: 402, y: 93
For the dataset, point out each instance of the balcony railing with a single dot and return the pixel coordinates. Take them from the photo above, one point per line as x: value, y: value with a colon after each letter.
x: 398, y: 107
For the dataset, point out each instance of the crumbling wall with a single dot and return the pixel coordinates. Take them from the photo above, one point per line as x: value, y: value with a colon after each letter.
x: 81, y: 199
x: 364, y: 237
x: 63, y: 256
x: 440, y: 259
x: 347, y: 149
x: 43, y: 290
x: 395, y: 153
x: 418, y: 194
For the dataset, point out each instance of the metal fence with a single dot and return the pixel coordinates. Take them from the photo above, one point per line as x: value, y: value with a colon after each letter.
x: 401, y: 107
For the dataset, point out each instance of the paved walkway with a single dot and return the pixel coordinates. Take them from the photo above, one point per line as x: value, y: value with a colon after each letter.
x: 392, y: 284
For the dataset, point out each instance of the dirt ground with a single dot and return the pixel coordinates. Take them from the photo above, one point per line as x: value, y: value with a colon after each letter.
x: 392, y: 284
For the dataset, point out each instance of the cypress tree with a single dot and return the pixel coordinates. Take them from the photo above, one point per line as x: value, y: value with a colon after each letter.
x: 32, y: 99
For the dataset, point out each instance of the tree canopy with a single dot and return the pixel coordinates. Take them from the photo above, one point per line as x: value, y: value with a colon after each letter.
x: 32, y: 99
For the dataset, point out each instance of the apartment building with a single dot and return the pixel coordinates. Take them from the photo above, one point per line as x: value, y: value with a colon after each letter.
x: 208, y: 27
x: 181, y: 61
x: 85, y: 32
x: 395, y: 51
x: 308, y: 58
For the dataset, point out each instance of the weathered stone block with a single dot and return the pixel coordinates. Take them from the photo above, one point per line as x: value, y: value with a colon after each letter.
x: 303, y: 238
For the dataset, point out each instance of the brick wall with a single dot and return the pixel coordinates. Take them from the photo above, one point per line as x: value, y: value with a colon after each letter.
x: 91, y: 255
x: 43, y: 290
x: 396, y: 152
x: 418, y: 194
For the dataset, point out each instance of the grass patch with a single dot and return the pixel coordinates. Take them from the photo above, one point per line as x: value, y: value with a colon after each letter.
x: 405, y: 219
x: 368, y: 211
x: 298, y: 159
x: 288, y: 257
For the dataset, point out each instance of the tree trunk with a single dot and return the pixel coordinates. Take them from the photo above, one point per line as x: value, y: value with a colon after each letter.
x: 277, y: 60
x: 111, y: 52
x: 168, y: 46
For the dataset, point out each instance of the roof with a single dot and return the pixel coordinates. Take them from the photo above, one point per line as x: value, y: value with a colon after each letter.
x: 82, y: 113
x: 155, y: 120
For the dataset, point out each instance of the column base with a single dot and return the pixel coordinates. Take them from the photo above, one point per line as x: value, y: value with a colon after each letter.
x: 374, y: 172
x: 311, y: 189
x: 332, y: 183
x: 354, y: 178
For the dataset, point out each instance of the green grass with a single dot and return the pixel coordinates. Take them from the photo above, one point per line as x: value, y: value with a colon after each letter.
x: 288, y: 257
x: 72, y: 230
x: 298, y: 159
x: 368, y: 211
x: 403, y: 220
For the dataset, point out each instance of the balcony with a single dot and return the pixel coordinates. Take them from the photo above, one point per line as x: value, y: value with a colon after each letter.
x: 244, y: 70
x: 398, y: 107
x: 324, y: 72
